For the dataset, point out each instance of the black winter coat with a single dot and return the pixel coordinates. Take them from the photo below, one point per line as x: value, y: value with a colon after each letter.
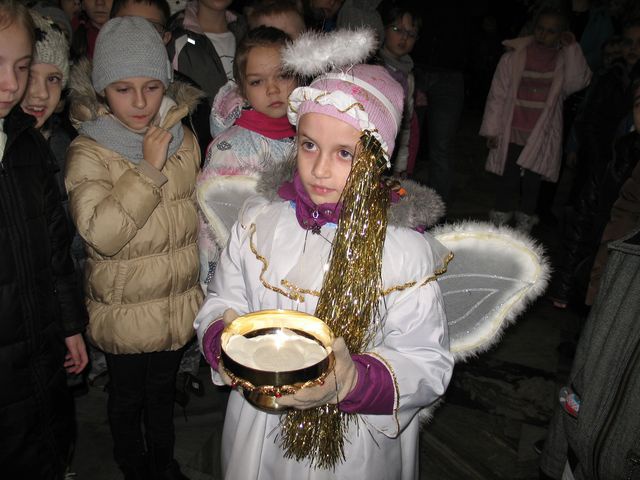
x: 38, y: 308
x: 606, y: 104
x: 592, y: 210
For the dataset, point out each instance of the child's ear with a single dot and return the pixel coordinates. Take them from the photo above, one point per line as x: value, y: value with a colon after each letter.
x: 166, y: 37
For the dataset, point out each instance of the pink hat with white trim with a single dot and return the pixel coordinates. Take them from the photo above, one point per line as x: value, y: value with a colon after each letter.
x: 364, y: 96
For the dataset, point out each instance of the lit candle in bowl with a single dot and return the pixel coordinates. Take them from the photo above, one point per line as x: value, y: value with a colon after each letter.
x: 271, y: 353
x: 275, y: 352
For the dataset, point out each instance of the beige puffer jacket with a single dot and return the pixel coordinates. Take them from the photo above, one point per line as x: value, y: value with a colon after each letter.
x: 140, y: 228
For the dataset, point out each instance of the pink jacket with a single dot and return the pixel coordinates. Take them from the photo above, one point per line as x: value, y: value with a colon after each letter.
x: 543, y: 152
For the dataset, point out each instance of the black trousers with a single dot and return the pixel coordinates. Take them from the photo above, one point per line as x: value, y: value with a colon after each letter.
x: 518, y: 188
x: 142, y: 391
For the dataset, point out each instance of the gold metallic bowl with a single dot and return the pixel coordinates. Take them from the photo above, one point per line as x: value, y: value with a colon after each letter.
x: 262, y: 388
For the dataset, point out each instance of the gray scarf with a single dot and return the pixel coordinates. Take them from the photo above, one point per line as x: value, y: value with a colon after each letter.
x: 111, y: 133
x: 404, y: 63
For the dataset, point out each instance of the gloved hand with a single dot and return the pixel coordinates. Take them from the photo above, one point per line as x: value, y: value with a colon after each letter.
x: 228, y: 316
x: 337, y: 384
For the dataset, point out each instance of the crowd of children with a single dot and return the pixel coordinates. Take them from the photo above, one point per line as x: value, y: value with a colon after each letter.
x: 122, y: 121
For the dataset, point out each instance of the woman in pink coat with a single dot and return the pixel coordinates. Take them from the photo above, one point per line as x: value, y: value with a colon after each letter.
x: 523, y: 115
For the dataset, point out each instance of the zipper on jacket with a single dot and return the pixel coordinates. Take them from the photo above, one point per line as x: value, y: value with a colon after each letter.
x: 613, y: 411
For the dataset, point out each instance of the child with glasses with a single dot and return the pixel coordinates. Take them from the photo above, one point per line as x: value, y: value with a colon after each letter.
x: 401, y: 26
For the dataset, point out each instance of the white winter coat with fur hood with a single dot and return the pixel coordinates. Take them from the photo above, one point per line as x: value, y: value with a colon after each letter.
x: 140, y: 227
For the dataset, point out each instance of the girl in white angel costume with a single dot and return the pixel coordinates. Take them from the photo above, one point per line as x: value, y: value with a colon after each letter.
x: 280, y: 254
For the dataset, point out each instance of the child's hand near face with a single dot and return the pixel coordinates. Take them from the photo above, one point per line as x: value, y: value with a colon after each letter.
x: 155, y: 146
x: 566, y: 39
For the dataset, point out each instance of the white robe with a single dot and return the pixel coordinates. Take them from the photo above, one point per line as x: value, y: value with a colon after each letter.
x: 412, y: 340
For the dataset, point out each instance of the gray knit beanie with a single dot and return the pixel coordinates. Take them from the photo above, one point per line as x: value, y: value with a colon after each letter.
x: 129, y: 47
x: 51, y: 46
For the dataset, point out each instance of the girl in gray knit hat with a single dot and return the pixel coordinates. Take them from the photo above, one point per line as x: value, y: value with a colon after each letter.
x: 131, y: 178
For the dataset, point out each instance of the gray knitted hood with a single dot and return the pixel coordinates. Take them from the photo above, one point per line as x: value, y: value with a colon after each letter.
x: 420, y: 206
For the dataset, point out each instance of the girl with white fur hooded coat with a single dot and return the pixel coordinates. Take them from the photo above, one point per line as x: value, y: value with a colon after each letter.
x: 277, y: 258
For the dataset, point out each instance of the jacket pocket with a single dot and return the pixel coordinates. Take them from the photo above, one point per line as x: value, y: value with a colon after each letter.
x: 120, y: 281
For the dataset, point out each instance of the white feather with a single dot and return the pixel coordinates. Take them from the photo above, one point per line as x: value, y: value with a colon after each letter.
x: 315, y: 53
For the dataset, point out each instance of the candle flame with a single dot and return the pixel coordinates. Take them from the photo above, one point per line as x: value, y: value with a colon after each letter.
x: 279, y: 339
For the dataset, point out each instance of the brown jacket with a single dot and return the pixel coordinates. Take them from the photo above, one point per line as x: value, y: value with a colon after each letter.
x: 140, y: 227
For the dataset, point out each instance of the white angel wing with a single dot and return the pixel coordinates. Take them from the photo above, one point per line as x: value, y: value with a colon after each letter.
x: 221, y: 198
x: 494, y: 275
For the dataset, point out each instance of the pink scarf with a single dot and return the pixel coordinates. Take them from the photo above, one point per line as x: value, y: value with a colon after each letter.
x: 273, y: 128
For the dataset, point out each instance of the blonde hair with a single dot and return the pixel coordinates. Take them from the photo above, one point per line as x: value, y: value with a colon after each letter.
x: 14, y: 12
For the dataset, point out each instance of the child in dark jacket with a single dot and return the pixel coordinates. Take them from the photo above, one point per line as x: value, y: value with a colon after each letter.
x: 39, y: 302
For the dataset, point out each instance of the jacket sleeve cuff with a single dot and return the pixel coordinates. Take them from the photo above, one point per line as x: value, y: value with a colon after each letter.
x: 374, y: 392
x: 155, y: 175
x: 211, y: 343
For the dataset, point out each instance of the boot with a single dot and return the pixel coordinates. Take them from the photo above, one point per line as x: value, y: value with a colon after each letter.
x: 172, y: 472
x: 499, y: 218
x: 136, y: 468
x: 525, y: 223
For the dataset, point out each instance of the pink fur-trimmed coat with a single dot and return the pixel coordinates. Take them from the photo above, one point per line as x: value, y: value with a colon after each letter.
x: 543, y: 151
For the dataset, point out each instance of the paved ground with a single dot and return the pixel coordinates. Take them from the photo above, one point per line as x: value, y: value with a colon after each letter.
x: 496, y: 407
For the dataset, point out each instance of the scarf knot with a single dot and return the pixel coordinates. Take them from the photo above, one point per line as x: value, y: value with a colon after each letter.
x: 309, y: 215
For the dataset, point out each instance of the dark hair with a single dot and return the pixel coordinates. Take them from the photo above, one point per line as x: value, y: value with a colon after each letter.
x: 79, y: 40
x: 162, y: 5
x: 258, y: 37
x: 12, y: 11
x: 635, y: 90
x: 391, y: 11
x: 630, y: 23
x: 551, y: 11
x: 265, y: 8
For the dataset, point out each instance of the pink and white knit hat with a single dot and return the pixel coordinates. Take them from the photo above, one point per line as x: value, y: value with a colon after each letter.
x: 364, y: 96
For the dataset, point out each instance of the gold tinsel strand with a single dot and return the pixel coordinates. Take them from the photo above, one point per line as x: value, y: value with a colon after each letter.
x: 348, y: 301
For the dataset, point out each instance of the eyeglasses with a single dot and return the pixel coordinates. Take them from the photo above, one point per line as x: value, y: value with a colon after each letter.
x: 402, y: 31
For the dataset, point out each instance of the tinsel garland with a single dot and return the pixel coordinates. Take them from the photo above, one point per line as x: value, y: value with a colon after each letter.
x: 348, y: 301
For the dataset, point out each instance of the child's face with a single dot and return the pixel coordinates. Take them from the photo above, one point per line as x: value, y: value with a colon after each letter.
x: 217, y: 5
x: 97, y: 10
x: 548, y: 30
x: 610, y: 53
x: 328, y: 8
x: 290, y: 23
x: 70, y: 7
x: 400, y: 36
x: 15, y: 57
x: 326, y: 147
x: 148, y: 12
x: 265, y: 87
x: 631, y: 45
x: 43, y: 92
x: 135, y: 101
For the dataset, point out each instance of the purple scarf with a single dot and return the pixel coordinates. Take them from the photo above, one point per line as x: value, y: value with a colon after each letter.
x: 310, y: 216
